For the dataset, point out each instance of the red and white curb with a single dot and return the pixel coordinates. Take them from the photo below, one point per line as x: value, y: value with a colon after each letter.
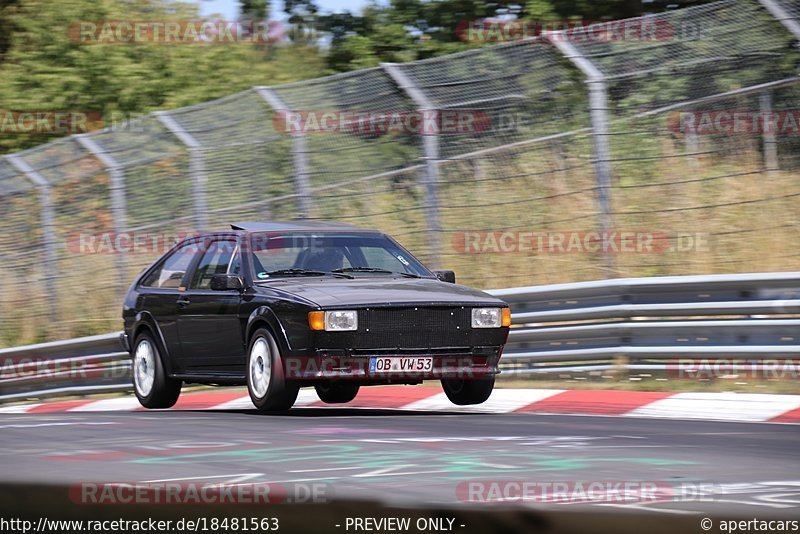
x: 745, y: 407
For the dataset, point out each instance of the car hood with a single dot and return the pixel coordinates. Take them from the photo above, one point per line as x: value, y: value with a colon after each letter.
x: 338, y: 292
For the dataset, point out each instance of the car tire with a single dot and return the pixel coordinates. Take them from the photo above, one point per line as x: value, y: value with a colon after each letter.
x: 152, y: 386
x: 337, y: 393
x: 269, y: 390
x: 465, y: 392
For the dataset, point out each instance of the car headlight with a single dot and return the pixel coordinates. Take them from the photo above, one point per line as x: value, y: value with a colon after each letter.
x: 490, y: 317
x: 333, y: 321
x: 486, y: 318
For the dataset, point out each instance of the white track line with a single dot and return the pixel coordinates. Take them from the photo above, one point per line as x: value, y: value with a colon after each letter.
x: 18, y: 409
x: 120, y: 404
x: 719, y: 406
x: 304, y: 398
x: 501, y: 401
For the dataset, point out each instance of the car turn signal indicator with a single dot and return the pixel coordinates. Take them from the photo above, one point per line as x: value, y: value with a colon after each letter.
x: 316, y: 320
x: 506, y: 317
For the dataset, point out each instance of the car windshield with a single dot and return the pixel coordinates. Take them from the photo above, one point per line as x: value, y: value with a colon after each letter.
x: 353, y: 254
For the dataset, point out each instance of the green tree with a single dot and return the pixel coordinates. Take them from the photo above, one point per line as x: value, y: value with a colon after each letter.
x: 254, y: 10
x: 46, y: 68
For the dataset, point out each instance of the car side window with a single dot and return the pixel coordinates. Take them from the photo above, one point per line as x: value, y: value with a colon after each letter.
x: 170, y: 272
x: 221, y: 257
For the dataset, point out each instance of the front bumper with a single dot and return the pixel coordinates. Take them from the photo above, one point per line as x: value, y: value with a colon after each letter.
x: 325, y: 366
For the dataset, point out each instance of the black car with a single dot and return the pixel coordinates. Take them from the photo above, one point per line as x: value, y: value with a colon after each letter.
x: 278, y: 306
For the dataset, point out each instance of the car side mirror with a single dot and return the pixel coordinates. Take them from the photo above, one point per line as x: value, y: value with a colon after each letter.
x: 226, y: 282
x: 446, y: 276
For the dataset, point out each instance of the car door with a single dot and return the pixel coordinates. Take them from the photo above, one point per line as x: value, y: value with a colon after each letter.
x: 159, y: 291
x: 209, y: 325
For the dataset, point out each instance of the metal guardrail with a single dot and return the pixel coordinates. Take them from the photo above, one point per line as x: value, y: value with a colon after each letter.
x: 81, y: 366
x: 636, y: 323
x: 624, y: 322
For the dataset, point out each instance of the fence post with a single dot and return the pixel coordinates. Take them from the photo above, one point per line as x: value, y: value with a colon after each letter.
x: 692, y: 144
x: 197, y: 167
x: 598, y: 110
x: 430, y: 145
x: 119, y: 208
x: 783, y: 16
x: 769, y: 136
x: 48, y: 228
x: 299, y: 153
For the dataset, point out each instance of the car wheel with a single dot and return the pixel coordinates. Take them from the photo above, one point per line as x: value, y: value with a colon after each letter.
x: 464, y: 392
x: 152, y: 386
x: 266, y: 382
x: 336, y: 393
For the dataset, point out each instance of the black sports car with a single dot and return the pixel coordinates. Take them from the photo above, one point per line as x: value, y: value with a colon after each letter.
x: 278, y: 306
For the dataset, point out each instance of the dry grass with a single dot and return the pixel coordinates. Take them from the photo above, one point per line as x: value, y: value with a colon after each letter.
x: 539, y: 188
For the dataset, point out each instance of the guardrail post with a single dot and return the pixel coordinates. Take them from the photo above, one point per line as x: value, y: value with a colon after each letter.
x: 299, y: 153
x: 48, y: 229
x: 430, y: 144
x: 769, y: 136
x: 119, y: 208
x: 197, y: 167
x: 598, y: 110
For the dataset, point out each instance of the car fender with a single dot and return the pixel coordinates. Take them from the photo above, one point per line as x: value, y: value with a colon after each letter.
x: 265, y: 314
x: 145, y: 318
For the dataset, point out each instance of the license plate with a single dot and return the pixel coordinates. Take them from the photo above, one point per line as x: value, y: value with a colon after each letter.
x: 397, y: 364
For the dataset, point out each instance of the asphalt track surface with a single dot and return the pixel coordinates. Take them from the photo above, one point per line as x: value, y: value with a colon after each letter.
x: 408, y: 458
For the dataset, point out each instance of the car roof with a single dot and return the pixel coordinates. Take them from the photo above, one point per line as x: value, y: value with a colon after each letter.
x: 298, y: 226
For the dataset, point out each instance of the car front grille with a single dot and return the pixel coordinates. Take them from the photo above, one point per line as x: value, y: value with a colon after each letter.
x: 409, y: 329
x: 414, y: 327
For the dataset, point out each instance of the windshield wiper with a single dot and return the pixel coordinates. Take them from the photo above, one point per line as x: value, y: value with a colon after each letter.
x: 361, y: 270
x: 372, y: 270
x: 305, y: 272
x: 296, y: 272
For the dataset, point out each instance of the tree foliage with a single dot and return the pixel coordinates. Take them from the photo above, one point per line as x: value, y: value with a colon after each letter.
x: 45, y: 69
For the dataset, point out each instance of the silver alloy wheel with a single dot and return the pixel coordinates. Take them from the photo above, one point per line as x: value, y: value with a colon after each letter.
x: 144, y: 368
x: 260, y: 367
